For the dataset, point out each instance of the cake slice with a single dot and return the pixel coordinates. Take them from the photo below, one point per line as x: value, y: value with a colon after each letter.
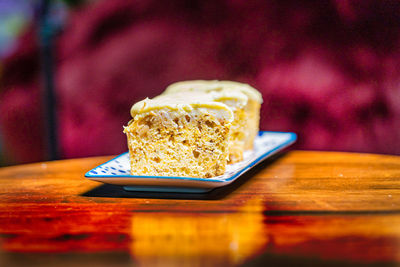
x: 183, y: 134
x: 246, y: 122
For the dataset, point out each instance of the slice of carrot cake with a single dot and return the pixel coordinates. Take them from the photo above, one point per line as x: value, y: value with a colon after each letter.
x: 246, y: 123
x: 183, y: 134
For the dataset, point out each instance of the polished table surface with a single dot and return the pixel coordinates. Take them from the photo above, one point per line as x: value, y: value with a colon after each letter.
x: 299, y: 209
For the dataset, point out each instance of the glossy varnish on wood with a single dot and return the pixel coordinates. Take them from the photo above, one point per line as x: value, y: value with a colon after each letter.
x: 302, y: 208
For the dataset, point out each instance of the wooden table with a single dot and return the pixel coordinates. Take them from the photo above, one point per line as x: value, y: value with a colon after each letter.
x: 302, y: 208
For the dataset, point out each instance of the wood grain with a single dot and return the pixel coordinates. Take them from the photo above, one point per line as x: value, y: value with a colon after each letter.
x: 301, y: 208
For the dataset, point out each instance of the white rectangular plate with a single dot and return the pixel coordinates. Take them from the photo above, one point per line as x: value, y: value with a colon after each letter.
x: 117, y: 170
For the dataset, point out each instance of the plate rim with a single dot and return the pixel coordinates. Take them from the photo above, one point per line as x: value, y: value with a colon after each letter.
x: 292, y: 138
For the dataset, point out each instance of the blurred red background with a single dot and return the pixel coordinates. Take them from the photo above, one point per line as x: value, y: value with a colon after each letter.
x: 328, y: 70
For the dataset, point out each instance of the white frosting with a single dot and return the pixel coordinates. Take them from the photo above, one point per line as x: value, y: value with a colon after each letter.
x: 183, y: 103
x: 228, y: 87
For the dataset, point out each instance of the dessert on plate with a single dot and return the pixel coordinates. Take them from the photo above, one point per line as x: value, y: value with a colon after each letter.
x: 183, y: 134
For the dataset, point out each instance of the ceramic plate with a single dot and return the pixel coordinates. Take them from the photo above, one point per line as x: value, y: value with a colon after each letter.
x: 117, y: 170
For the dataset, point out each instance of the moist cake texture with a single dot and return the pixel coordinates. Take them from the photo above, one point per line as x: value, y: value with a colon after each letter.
x: 246, y: 123
x: 237, y: 102
x: 183, y: 134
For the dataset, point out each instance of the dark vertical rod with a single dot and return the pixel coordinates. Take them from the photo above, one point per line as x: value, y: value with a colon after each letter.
x: 46, y: 33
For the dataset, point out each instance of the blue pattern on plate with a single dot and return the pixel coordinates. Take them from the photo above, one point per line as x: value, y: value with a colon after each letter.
x: 265, y: 145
